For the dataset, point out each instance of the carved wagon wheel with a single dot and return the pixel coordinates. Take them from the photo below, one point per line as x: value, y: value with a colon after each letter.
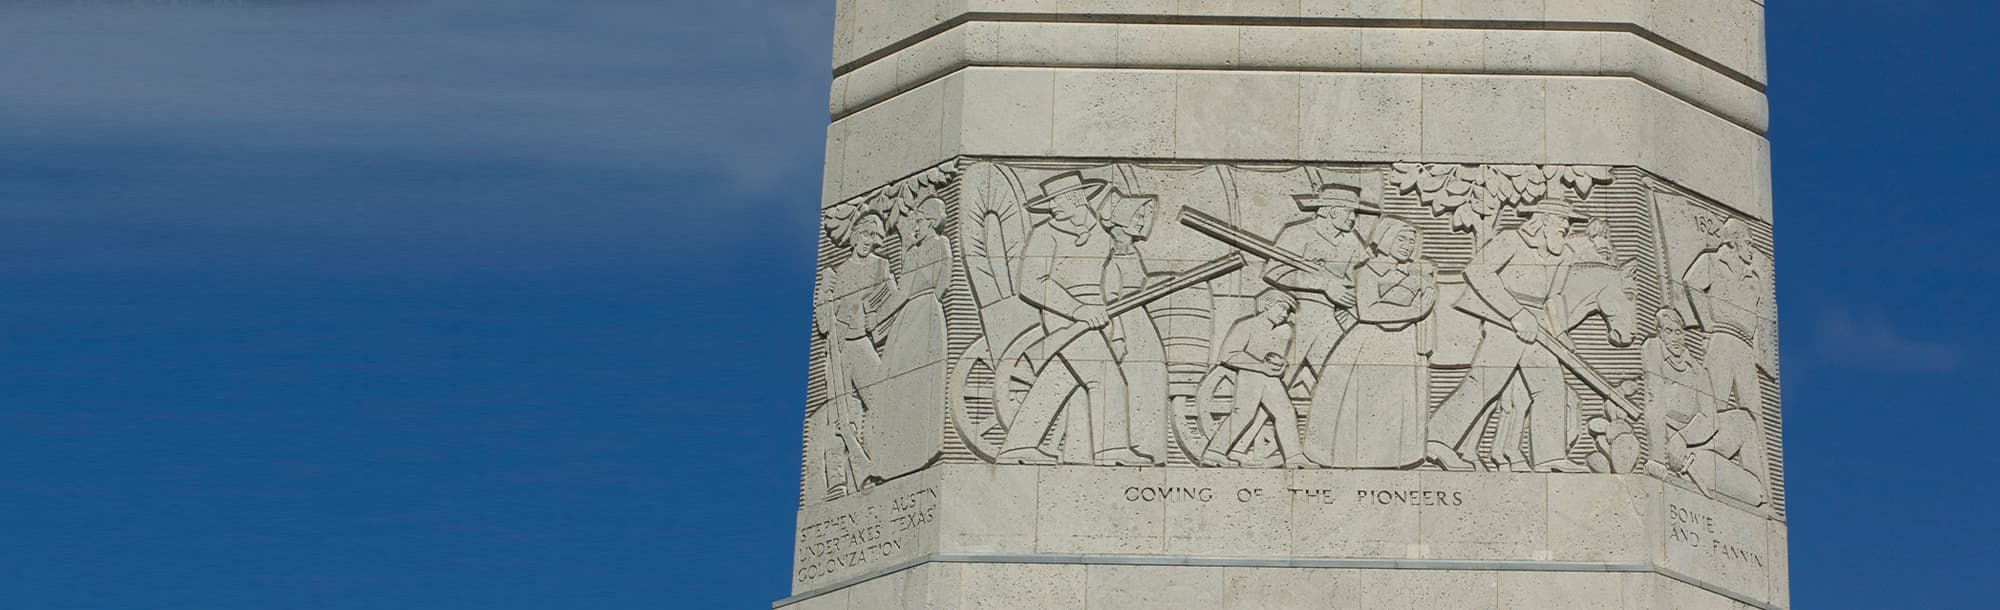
x: 986, y: 390
x: 1197, y: 417
x: 974, y: 412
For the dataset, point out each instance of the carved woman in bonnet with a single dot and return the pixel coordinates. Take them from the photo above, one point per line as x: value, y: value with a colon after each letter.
x: 1134, y: 338
x: 1369, y: 410
x: 1129, y: 220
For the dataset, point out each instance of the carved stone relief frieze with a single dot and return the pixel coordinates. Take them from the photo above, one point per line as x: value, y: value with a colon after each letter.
x: 1712, y: 363
x: 1524, y: 318
x: 874, y: 409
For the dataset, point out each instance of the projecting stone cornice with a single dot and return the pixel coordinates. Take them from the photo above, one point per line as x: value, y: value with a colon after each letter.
x: 1722, y: 35
x: 1272, y: 116
x: 1318, y: 48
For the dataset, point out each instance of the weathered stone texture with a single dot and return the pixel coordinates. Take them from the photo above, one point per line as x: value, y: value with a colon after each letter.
x: 1295, y: 304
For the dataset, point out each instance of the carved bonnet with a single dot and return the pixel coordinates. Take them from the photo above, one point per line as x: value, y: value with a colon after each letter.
x: 1120, y: 208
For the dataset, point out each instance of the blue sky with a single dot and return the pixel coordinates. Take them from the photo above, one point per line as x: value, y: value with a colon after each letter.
x: 502, y: 304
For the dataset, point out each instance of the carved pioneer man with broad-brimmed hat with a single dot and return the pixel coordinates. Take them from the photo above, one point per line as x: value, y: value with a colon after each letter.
x: 1513, y: 279
x: 1062, y: 274
x: 1727, y: 287
x: 1331, y: 238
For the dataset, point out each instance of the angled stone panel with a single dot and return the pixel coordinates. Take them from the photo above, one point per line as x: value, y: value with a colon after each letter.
x: 1264, y: 48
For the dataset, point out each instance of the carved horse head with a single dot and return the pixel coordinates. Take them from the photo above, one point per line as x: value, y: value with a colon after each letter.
x: 1597, y: 284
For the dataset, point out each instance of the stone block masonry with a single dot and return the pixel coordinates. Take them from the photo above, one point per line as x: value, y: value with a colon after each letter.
x: 1294, y: 304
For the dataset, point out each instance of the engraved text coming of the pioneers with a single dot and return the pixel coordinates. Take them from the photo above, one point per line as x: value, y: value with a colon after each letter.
x: 1404, y: 497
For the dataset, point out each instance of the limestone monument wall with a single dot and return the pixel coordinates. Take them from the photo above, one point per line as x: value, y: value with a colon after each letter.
x: 1294, y: 304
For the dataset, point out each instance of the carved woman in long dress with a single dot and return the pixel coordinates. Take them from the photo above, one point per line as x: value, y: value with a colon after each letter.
x: 918, y: 332
x: 1369, y: 411
x: 909, y: 422
x: 1140, y: 434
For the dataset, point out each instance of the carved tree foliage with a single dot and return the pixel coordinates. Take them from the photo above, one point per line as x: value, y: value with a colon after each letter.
x: 891, y: 203
x: 1473, y: 195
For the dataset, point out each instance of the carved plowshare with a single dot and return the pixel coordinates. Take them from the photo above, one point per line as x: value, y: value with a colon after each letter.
x: 1410, y: 316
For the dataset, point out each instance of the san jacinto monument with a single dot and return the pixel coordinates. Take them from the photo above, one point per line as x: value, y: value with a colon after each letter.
x: 1294, y: 304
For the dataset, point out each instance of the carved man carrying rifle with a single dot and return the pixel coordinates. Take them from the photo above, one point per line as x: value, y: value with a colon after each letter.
x: 1062, y: 274
x: 1332, y: 242
x: 1513, y: 278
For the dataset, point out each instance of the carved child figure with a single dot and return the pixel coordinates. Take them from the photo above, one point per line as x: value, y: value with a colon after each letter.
x: 1255, y: 348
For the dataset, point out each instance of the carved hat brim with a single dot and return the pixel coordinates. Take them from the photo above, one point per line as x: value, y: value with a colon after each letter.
x: 1315, y: 201
x: 1336, y: 194
x: 1089, y: 188
x: 1560, y: 208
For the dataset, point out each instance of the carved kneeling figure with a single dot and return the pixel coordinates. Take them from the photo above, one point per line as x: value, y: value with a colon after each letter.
x: 1710, y: 450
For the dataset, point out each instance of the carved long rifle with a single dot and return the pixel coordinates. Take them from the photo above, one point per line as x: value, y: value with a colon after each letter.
x: 1546, y: 337
x: 1061, y: 338
x: 1248, y: 242
x: 1570, y: 360
x: 1244, y: 240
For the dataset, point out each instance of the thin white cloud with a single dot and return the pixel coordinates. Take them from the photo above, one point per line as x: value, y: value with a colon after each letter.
x: 730, y: 88
x: 437, y: 132
x: 1872, y: 341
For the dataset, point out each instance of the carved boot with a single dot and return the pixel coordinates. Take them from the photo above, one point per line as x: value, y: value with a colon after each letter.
x: 1446, y: 457
x: 1123, y: 456
x: 1517, y: 465
x: 1214, y: 459
x: 1027, y: 456
x: 1562, y: 465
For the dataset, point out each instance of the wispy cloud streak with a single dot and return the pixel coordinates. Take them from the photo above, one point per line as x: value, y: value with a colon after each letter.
x: 1872, y: 341
x: 733, y: 88
x: 439, y: 131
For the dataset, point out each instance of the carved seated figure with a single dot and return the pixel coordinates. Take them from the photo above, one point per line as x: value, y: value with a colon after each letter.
x: 1698, y: 442
x: 1710, y: 451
